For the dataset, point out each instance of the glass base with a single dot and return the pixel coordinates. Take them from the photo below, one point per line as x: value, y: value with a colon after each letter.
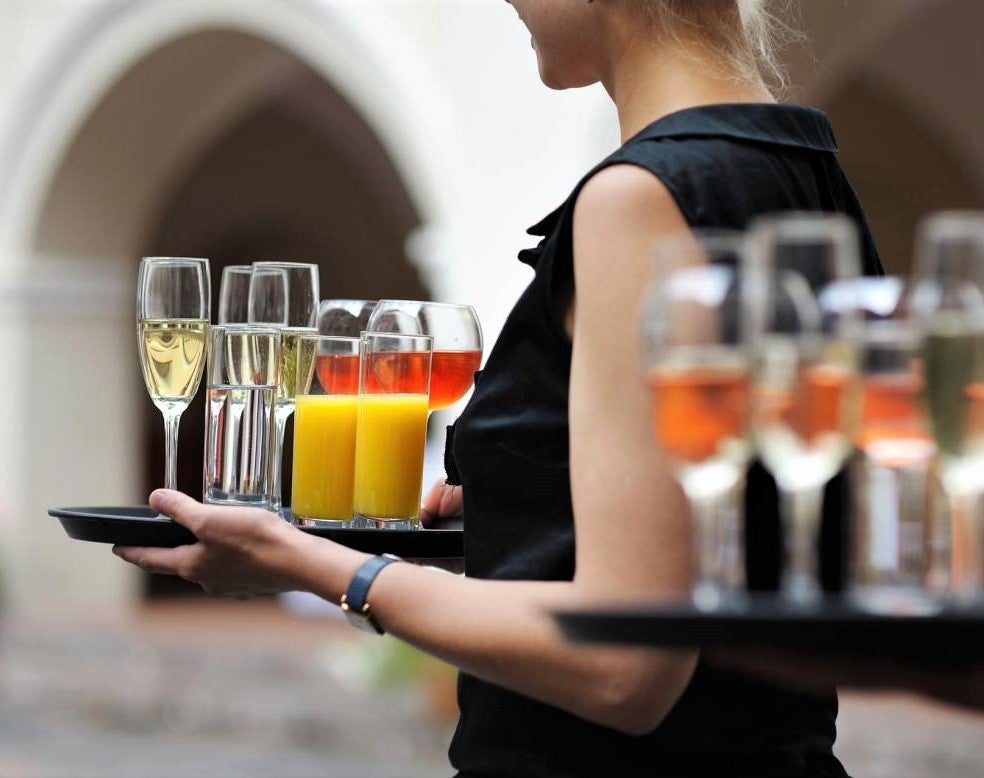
x: 372, y: 522
x: 236, y: 500
x: 895, y: 600
x: 710, y: 598
x: 312, y: 521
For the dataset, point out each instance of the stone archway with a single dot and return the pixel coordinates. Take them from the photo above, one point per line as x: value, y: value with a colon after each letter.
x: 154, y: 94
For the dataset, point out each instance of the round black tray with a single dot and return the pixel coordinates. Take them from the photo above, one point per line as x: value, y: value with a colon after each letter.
x: 833, y: 628
x: 140, y: 526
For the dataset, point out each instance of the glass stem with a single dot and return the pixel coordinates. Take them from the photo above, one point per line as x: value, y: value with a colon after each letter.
x: 276, y: 497
x: 967, y: 553
x: 706, y: 551
x: 801, y: 527
x: 171, y: 421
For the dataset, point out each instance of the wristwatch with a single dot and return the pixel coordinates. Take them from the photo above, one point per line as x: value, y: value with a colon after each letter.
x: 354, y: 602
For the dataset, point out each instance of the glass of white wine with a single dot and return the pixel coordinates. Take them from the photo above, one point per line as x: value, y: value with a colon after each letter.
x: 173, y: 312
x: 805, y: 325
x: 949, y: 299
x: 284, y: 295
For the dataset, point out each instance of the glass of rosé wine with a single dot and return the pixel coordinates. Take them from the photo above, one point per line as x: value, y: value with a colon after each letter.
x: 457, y: 338
x: 698, y: 369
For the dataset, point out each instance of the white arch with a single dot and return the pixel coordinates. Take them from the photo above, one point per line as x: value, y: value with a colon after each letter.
x: 355, y: 47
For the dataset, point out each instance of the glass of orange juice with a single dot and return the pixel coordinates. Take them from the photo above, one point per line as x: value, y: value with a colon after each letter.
x: 394, y: 390
x: 325, y: 417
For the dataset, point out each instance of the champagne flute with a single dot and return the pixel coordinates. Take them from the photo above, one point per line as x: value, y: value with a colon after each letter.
x: 173, y: 312
x: 234, y: 294
x: 284, y: 295
x: 950, y: 302
x: 698, y: 369
x: 457, y: 336
x: 804, y: 324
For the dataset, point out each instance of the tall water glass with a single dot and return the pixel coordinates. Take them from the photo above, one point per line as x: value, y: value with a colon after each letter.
x: 345, y: 318
x: 284, y: 295
x: 325, y: 416
x: 697, y: 366
x: 457, y: 336
x: 891, y: 533
x: 234, y: 294
x: 394, y: 386
x: 805, y: 326
x: 950, y: 301
x: 243, y: 375
x: 173, y: 312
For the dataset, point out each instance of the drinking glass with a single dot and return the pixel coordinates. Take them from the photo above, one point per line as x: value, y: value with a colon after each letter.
x: 950, y: 302
x: 284, y: 295
x: 173, y: 312
x: 234, y: 294
x: 804, y: 324
x: 327, y: 401
x: 243, y: 375
x: 891, y: 536
x: 394, y: 386
x: 698, y: 368
x: 457, y: 338
x: 345, y: 318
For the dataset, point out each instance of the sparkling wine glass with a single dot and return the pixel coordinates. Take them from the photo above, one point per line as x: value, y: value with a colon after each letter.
x: 457, y: 338
x: 284, y: 295
x: 697, y: 366
x: 950, y: 303
x: 805, y: 327
x: 234, y: 294
x: 173, y: 312
x: 891, y: 534
x: 344, y: 318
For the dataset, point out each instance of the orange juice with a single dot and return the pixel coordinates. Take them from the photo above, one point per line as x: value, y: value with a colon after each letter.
x: 389, y: 455
x: 324, y: 456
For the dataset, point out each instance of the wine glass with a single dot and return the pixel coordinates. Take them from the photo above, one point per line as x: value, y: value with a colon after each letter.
x: 697, y: 366
x: 804, y: 325
x: 457, y: 338
x: 173, y: 312
x: 892, y: 527
x: 344, y: 318
x: 284, y: 295
x: 234, y: 294
x: 950, y: 303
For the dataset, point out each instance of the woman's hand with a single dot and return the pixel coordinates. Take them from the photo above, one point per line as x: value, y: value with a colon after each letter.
x: 240, y: 551
x: 442, y: 501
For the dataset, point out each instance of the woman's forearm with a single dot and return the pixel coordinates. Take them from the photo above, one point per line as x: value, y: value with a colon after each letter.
x: 501, y: 631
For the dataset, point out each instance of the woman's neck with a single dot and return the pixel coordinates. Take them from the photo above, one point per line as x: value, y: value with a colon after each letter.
x: 648, y: 82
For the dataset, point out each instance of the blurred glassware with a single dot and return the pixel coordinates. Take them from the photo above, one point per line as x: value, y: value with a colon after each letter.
x: 234, y: 294
x: 173, y: 314
x: 284, y: 295
x: 344, y: 318
x: 950, y: 302
x: 698, y: 368
x: 805, y: 328
x: 891, y: 532
x: 457, y: 336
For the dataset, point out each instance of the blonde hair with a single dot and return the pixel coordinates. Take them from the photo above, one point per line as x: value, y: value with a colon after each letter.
x: 748, y: 33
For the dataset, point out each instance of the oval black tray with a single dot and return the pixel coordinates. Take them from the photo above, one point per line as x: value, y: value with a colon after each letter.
x: 833, y: 628
x: 140, y: 526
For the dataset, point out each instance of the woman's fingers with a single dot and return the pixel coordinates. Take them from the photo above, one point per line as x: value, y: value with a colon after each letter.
x: 167, y: 561
x: 441, y: 500
x: 183, y: 509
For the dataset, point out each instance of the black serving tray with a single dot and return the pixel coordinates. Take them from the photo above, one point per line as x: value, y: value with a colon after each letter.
x: 833, y: 628
x: 140, y: 526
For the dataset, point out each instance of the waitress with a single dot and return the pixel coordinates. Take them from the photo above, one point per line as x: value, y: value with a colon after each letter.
x: 566, y: 498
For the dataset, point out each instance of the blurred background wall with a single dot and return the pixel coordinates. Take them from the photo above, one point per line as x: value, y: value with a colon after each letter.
x: 402, y: 144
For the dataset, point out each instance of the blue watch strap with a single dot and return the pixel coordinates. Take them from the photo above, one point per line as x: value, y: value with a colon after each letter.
x: 354, y: 601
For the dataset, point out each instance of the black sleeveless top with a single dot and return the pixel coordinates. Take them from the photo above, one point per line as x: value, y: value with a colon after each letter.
x: 724, y: 165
